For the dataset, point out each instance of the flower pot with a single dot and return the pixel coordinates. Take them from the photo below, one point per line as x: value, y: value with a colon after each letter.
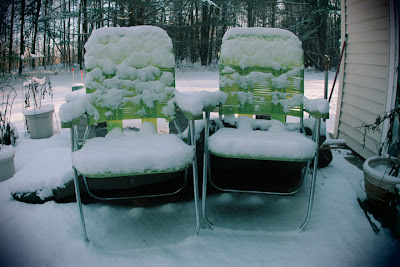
x: 7, y: 168
x: 40, y: 122
x: 78, y: 86
x: 380, y: 187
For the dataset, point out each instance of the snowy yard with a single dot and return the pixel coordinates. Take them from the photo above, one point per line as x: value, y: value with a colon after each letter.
x: 252, y: 230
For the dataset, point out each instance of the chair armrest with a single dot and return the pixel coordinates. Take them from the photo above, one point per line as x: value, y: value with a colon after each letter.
x: 71, y: 123
x: 195, y: 103
x: 318, y: 115
x: 190, y: 116
x: 70, y: 113
x: 74, y: 95
x: 317, y: 108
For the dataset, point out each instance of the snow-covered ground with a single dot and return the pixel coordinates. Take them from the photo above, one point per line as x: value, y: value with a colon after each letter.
x: 251, y: 230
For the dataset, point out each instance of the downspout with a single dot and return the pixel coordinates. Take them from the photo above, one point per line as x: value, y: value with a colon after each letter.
x: 393, y: 63
x: 341, y: 71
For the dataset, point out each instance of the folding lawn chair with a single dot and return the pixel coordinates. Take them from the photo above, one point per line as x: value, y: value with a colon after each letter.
x: 262, y: 71
x: 130, y: 75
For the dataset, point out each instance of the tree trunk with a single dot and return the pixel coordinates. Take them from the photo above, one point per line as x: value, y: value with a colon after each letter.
x: 205, y: 30
x: 48, y: 56
x: 84, y: 29
x: 108, y: 13
x: 36, y: 23
x: 85, y: 21
x: 10, y: 52
x: 45, y: 33
x: 80, y: 60
x: 250, y: 15
x: 192, y: 52
x: 180, y: 54
x: 121, y: 22
x: 322, y: 34
x: 131, y: 10
x: 141, y: 13
x: 223, y: 28
x: 22, y: 45
x: 63, y: 34
x: 3, y: 32
x: 196, y: 33
x: 53, y: 54
x: 273, y: 13
x: 211, y: 43
x: 68, y: 33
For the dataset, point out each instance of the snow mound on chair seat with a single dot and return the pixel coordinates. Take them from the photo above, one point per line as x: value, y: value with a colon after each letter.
x: 120, y: 154
x: 274, y: 145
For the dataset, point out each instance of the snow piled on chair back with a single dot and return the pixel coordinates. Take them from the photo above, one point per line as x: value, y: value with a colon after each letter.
x: 135, y: 47
x: 261, y: 47
x: 130, y: 70
x: 261, y: 69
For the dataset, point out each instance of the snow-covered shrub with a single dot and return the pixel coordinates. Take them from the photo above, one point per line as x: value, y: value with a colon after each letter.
x: 8, y: 132
x: 35, y: 90
x: 391, y: 143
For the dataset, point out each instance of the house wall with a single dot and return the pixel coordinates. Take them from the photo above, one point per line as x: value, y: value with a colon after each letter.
x: 364, y: 72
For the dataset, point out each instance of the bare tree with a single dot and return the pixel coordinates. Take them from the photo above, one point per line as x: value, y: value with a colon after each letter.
x: 36, y: 23
x: 22, y: 46
x: 10, y: 46
x: 196, y: 27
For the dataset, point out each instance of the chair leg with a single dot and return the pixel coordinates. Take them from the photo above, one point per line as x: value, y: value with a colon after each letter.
x: 79, y: 202
x: 195, y: 178
x: 314, y: 177
x: 206, y: 167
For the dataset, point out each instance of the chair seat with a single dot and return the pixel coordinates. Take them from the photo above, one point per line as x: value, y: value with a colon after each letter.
x: 133, y: 154
x: 264, y: 145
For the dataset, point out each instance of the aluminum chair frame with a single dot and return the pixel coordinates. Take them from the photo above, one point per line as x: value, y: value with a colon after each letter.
x: 207, y: 174
x: 191, y: 140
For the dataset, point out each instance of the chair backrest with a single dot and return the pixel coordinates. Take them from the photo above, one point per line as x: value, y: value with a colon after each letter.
x: 130, y: 72
x: 262, y: 70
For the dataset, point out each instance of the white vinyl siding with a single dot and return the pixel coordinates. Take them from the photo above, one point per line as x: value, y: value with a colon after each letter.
x: 364, y: 72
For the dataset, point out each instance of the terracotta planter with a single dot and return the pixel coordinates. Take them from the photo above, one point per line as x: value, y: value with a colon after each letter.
x: 40, y: 122
x: 7, y: 168
x: 379, y: 186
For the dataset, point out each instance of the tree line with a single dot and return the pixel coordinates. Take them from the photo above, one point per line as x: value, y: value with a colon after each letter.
x: 46, y: 32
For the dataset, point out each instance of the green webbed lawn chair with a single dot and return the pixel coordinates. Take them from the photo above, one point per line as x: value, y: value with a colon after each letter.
x: 262, y: 71
x: 130, y: 75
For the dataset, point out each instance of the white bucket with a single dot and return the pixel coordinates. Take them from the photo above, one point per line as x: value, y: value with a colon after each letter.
x: 40, y: 125
x: 7, y: 168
